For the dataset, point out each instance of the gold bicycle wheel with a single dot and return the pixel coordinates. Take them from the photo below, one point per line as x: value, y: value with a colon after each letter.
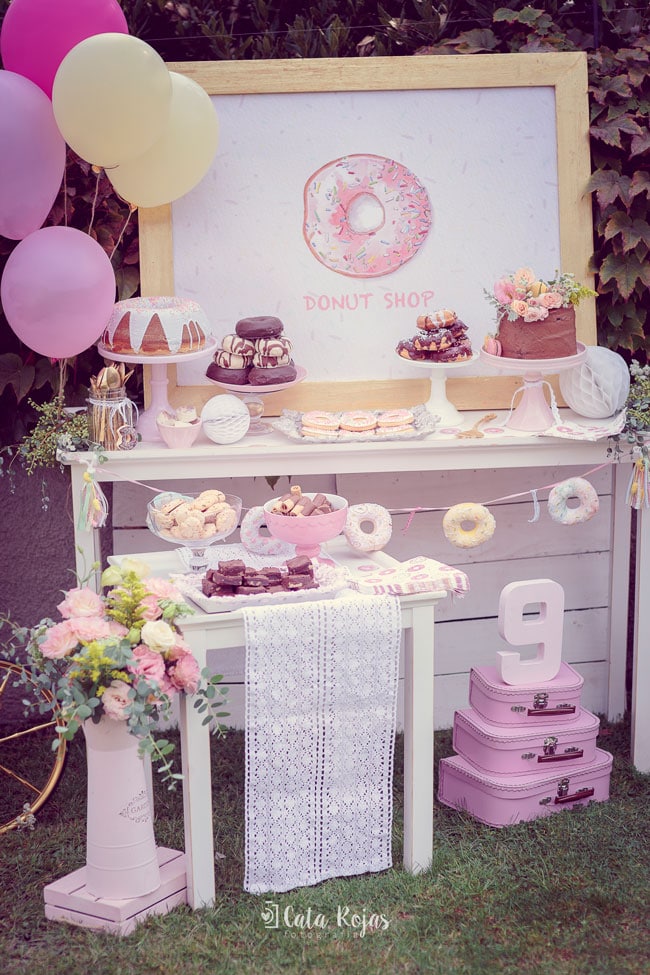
x: 29, y: 767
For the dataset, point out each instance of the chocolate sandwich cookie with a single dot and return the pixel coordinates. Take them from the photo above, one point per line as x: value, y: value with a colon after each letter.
x: 232, y: 377
x: 259, y: 327
x: 269, y: 377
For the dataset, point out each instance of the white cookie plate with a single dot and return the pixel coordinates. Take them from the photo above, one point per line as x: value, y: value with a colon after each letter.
x: 331, y: 580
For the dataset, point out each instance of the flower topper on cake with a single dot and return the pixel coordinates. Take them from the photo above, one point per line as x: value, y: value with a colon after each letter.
x: 524, y: 295
x: 118, y: 656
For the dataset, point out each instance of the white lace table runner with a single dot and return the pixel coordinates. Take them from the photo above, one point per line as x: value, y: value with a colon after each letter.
x: 321, y: 698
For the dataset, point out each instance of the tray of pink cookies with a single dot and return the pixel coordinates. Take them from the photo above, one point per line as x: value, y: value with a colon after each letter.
x: 321, y: 426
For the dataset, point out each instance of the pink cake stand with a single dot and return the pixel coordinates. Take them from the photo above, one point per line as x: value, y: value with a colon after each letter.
x: 253, y: 397
x: 147, y: 427
x: 307, y: 534
x: 533, y: 414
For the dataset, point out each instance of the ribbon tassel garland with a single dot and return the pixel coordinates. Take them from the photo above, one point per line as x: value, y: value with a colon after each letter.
x: 637, y: 490
x: 93, y: 510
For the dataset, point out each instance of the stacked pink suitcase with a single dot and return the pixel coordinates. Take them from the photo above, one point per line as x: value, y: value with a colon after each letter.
x: 524, y: 751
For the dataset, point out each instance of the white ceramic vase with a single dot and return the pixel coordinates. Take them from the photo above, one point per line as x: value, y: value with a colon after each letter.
x: 121, y: 858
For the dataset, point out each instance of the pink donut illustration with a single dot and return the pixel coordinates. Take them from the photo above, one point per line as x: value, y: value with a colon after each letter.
x: 365, y: 215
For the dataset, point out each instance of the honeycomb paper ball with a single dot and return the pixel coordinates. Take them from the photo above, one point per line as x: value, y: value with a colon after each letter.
x: 225, y: 418
x: 598, y: 387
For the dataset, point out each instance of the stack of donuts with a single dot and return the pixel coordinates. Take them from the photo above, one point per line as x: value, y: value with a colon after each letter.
x: 255, y: 354
x: 318, y: 423
x: 441, y: 337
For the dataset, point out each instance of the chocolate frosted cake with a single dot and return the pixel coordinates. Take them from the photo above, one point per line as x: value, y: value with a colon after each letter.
x: 553, y: 338
x: 535, y: 319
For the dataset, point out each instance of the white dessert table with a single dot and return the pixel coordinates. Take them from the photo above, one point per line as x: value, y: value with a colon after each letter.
x: 209, y: 631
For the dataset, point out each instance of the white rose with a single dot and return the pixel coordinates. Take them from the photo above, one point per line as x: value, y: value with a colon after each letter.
x: 141, y: 569
x: 158, y: 636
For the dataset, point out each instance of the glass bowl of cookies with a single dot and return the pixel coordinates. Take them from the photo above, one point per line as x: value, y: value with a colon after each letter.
x: 194, y: 521
x: 306, y: 520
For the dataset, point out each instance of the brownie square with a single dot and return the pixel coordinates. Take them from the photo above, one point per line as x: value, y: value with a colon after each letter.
x: 300, y: 565
x: 232, y: 567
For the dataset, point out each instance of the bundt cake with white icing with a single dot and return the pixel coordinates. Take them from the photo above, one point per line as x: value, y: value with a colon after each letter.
x: 155, y: 326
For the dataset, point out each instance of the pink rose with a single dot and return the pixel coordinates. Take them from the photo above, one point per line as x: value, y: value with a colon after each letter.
x: 535, y: 313
x: 519, y: 307
x: 149, y: 608
x: 504, y: 291
x: 184, y: 673
x: 116, y: 700
x: 550, y: 299
x: 61, y: 640
x: 117, y: 629
x: 147, y: 664
x: 523, y: 278
x: 164, y: 589
x: 89, y: 628
x: 81, y: 602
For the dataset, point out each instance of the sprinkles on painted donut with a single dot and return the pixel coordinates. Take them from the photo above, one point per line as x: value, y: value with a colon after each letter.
x: 365, y: 215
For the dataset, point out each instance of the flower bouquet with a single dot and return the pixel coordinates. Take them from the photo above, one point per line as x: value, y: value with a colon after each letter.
x: 524, y: 295
x: 119, y: 656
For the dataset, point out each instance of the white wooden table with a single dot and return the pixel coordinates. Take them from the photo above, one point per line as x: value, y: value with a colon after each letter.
x: 275, y: 453
x: 210, y: 631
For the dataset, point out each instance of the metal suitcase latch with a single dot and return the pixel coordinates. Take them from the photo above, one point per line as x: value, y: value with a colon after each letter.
x: 550, y: 752
x: 563, y: 795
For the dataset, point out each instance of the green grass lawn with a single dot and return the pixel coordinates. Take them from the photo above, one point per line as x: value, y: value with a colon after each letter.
x: 566, y: 894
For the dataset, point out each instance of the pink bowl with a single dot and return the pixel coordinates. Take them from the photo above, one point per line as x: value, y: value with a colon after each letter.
x: 307, y: 533
x: 179, y: 436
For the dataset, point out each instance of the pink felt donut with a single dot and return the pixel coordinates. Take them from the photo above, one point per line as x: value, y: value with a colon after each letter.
x: 380, y: 530
x: 574, y: 487
x: 365, y: 215
x: 257, y: 543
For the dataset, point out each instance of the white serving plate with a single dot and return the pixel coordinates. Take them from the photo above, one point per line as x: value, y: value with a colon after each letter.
x: 331, y: 580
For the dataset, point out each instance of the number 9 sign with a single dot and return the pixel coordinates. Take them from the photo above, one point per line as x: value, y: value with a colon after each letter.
x: 545, y: 630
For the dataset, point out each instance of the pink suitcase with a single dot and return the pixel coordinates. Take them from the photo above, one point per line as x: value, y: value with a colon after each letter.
x: 525, y: 704
x: 512, y: 749
x: 502, y: 800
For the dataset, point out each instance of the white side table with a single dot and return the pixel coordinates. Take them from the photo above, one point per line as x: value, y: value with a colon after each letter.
x: 206, y: 631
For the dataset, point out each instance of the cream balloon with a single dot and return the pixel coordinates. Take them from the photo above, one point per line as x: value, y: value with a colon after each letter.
x: 111, y: 98
x: 180, y: 158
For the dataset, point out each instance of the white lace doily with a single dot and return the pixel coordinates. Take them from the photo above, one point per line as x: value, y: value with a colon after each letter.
x: 321, y: 696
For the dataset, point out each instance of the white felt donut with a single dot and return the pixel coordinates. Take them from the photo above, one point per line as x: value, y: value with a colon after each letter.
x: 365, y: 215
x: 575, y: 487
x: 257, y: 543
x: 459, y: 516
x: 380, y: 531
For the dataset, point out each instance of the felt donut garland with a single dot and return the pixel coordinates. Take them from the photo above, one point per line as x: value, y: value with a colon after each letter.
x: 381, y: 527
x: 468, y: 525
x: 574, y: 487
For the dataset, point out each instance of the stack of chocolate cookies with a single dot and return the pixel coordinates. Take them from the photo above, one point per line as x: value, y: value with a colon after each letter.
x: 441, y: 337
x: 255, y: 354
x: 235, y: 578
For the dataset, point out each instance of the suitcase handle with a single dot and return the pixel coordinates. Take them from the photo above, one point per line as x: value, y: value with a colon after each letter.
x: 551, y: 712
x: 562, y: 757
x: 575, y: 797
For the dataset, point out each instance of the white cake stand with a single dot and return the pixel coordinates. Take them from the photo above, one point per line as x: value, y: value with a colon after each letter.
x: 147, y: 426
x: 438, y: 404
x: 533, y: 414
x: 253, y: 397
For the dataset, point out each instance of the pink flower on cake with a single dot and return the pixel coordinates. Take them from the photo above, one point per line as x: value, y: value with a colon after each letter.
x: 115, y: 700
x: 550, y: 299
x: 519, y: 307
x: 504, y: 291
x: 61, y: 640
x: 148, y: 664
x: 81, y: 602
x: 523, y: 278
x: 535, y: 313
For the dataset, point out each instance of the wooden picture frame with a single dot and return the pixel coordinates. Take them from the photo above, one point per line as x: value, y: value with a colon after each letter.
x: 564, y: 73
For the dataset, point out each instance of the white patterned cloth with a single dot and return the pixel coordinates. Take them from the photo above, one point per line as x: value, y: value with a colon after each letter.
x: 321, y: 699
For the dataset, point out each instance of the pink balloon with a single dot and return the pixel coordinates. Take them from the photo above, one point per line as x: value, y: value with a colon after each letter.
x: 58, y: 291
x: 32, y: 160
x: 37, y: 34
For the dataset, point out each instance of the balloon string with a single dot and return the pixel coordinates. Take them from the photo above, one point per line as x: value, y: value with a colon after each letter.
x: 65, y: 196
x: 98, y: 173
x: 132, y: 209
